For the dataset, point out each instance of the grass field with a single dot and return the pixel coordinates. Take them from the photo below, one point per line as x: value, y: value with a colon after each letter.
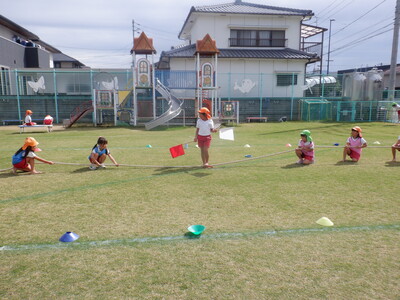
x: 261, y: 240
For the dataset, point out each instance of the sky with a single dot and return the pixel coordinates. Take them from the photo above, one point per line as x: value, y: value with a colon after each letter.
x: 99, y: 33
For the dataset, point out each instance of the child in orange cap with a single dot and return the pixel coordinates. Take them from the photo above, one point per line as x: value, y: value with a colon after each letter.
x: 24, y: 158
x: 204, y: 127
x: 354, y: 145
x: 28, y: 118
x: 395, y: 146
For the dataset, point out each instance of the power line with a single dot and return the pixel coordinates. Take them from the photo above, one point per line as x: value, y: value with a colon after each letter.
x: 366, y: 35
x: 347, y: 4
x: 320, y: 12
x: 333, y: 9
x: 362, y: 30
x: 354, y: 43
x: 358, y: 18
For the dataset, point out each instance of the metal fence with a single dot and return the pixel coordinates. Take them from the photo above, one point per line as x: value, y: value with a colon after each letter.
x: 58, y: 92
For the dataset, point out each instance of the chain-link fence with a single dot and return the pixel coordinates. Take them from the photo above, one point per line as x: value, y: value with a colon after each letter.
x: 343, y: 98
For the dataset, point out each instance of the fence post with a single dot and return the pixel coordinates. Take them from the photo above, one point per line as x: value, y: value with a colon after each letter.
x: 338, y: 111
x: 55, y: 94
x: 291, y: 104
x: 93, y: 99
x: 260, y: 92
x: 17, y: 90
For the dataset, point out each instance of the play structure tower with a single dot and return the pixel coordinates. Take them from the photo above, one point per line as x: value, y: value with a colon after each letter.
x: 143, y: 70
x: 206, y: 69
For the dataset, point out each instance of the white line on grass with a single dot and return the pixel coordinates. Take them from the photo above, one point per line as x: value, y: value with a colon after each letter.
x: 224, y: 235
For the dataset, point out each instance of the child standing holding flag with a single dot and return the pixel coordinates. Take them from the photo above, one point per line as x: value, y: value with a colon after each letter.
x: 204, y: 127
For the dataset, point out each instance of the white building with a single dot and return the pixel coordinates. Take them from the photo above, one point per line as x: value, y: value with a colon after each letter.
x: 262, y: 51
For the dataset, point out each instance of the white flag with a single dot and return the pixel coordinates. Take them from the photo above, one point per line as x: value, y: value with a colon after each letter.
x: 226, y: 134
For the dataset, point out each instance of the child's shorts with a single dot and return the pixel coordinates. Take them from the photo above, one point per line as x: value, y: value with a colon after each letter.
x: 307, y: 157
x: 21, y: 165
x: 354, y: 155
x: 204, y: 141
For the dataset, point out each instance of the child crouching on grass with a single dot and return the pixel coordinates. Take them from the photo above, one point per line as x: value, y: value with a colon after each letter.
x: 395, y: 146
x: 204, y: 127
x: 354, y: 145
x: 24, y: 158
x: 305, y: 150
x: 99, y: 154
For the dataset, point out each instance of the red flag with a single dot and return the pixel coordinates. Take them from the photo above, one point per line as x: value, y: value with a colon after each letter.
x: 177, y: 151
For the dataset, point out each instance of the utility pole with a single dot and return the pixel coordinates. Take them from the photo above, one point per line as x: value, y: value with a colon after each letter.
x: 393, y: 62
x: 329, y: 45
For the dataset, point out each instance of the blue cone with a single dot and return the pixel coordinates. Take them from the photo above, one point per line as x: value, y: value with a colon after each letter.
x: 196, y: 229
x: 248, y: 155
x: 69, y: 237
x: 336, y: 144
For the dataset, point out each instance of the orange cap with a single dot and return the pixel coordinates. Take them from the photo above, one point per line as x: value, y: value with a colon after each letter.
x: 28, y: 112
x: 358, y: 129
x: 205, y: 110
x: 30, y: 141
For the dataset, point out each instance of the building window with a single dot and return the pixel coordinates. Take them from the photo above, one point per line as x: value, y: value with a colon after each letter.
x: 286, y: 79
x: 4, y: 81
x: 57, y: 65
x: 257, y: 38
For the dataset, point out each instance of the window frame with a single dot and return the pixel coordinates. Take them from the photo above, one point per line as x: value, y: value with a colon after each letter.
x: 286, y: 79
x: 252, y: 38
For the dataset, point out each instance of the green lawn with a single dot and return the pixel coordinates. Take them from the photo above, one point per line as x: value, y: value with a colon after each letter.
x: 261, y: 240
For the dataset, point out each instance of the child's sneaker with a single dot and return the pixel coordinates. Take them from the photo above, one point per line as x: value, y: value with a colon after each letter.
x: 93, y: 167
x: 102, y: 166
x: 299, y: 162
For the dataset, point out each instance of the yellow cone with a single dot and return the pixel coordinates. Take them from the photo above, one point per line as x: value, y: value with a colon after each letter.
x: 324, y: 221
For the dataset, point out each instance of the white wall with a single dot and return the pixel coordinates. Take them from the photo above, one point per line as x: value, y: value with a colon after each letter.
x: 261, y: 72
x: 219, y: 27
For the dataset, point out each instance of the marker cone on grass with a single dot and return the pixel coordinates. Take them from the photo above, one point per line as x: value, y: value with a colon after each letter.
x: 196, y: 229
x: 324, y: 221
x: 69, y: 236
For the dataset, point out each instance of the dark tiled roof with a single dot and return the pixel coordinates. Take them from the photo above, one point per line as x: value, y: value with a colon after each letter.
x: 286, y: 53
x: 239, y: 7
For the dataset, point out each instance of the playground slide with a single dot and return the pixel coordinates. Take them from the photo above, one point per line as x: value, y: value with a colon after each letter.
x: 175, y: 107
x: 79, y: 112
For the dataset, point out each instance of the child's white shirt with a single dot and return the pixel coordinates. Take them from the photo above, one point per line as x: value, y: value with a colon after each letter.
x: 31, y: 154
x: 205, y: 126
x: 352, y: 140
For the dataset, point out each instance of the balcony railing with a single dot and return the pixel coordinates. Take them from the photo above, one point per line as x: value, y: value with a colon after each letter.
x: 235, y: 42
x: 312, y: 47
